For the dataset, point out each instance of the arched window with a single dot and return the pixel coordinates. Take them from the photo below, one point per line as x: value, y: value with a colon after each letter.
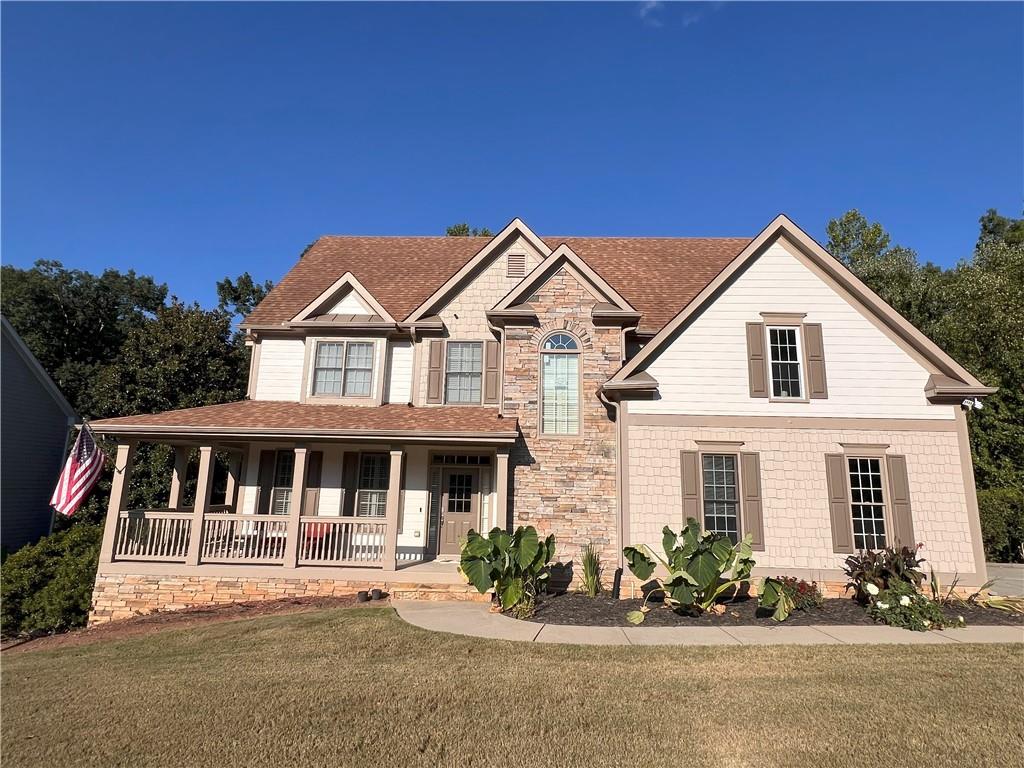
x: 560, y: 385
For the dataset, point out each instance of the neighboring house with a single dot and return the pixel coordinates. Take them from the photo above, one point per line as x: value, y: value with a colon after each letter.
x: 404, y: 390
x: 35, y: 420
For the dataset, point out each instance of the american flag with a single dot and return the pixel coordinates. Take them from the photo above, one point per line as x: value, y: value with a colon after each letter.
x: 83, y: 468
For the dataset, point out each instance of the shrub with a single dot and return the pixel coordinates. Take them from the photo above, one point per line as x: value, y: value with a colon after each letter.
x: 882, y: 568
x: 1002, y: 523
x: 47, y: 586
x: 701, y: 567
x: 901, y: 605
x: 591, y: 571
x: 788, y: 594
x: 513, y: 565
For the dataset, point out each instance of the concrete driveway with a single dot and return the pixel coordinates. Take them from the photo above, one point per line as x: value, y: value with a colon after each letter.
x: 1009, y: 578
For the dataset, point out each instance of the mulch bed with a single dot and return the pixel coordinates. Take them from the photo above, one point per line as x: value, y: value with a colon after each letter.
x: 151, y: 623
x: 578, y: 610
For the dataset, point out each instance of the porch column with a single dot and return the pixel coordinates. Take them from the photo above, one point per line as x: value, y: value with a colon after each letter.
x: 234, y: 471
x: 178, y: 477
x: 291, y: 545
x: 501, y: 485
x: 203, y: 488
x: 118, y: 487
x: 391, y: 511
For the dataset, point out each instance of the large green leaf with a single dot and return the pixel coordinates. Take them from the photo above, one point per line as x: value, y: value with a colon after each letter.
x: 635, y: 617
x: 639, y: 564
x: 476, y: 545
x: 722, y: 549
x: 668, y: 541
x: 511, y: 593
x: 529, y: 546
x: 478, y: 572
x: 690, y: 536
x: 705, y: 568
x: 679, y: 590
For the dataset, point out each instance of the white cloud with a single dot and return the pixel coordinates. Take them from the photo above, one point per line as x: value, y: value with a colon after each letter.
x: 647, y: 12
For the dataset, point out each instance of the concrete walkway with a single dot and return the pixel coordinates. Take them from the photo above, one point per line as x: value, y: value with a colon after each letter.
x: 474, y: 619
x: 1008, y: 578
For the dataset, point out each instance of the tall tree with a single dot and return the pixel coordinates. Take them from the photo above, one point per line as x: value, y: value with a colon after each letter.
x: 996, y: 228
x: 464, y: 230
x: 240, y: 296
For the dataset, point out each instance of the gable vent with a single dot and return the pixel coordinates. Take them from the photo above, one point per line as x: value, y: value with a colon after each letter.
x: 516, y: 265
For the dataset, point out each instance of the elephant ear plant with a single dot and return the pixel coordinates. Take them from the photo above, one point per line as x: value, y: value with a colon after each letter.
x: 514, y: 565
x: 701, y: 567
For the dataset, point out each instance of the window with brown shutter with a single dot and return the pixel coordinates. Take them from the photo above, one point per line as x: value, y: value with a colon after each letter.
x: 435, y: 371
x: 492, y: 374
x: 722, y: 491
x: 899, y: 490
x: 814, y: 351
x: 756, y: 367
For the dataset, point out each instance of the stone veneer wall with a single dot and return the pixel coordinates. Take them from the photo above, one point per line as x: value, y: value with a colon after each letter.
x: 564, y: 485
x: 120, y: 596
x: 797, y: 526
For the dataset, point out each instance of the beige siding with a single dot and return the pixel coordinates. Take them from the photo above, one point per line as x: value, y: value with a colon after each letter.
x: 279, y: 376
x: 795, y: 502
x: 465, y: 316
x: 399, y: 372
x: 350, y: 304
x: 704, y: 371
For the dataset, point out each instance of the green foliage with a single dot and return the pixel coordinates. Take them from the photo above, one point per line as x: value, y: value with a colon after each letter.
x: 701, y: 567
x: 513, y: 565
x: 47, y: 586
x: 901, y: 605
x: 1002, y: 523
x: 1000, y: 228
x: 787, y: 594
x: 239, y: 297
x: 882, y: 569
x: 591, y: 560
x: 464, y: 230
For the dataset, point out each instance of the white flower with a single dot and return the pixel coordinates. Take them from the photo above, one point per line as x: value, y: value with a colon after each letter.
x: 871, y: 589
x: 927, y: 623
x: 904, y: 601
x: 960, y: 619
x: 882, y: 606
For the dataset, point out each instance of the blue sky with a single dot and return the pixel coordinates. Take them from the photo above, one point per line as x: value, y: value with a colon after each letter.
x: 192, y: 142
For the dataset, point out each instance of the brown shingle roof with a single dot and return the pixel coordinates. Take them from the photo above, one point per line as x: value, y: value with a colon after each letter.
x: 657, y: 275
x: 274, y: 416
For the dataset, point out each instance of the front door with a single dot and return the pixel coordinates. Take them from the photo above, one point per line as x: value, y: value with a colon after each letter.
x: 460, y: 509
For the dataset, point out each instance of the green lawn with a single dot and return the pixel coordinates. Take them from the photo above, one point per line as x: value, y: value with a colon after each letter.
x: 358, y: 687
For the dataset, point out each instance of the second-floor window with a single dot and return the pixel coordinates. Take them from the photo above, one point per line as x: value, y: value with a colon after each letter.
x: 784, y: 348
x: 464, y: 372
x: 560, y: 385
x: 343, y: 368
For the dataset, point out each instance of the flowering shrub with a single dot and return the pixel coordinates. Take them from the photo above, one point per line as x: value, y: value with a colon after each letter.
x: 883, y: 568
x: 901, y: 605
x: 788, y: 594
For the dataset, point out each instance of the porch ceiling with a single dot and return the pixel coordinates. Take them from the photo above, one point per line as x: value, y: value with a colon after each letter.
x: 269, y: 418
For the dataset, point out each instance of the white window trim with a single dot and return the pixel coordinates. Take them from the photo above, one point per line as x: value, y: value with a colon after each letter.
x: 801, y: 366
x: 483, y: 372
x: 735, y: 454
x: 376, y: 371
x: 886, y: 505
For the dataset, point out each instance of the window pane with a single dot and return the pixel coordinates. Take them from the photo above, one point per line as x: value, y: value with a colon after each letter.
x: 464, y: 375
x: 327, y: 369
x: 560, y: 410
x: 866, y: 503
x: 560, y: 341
x: 721, y: 505
x: 358, y: 369
x: 371, y: 497
x: 281, y: 493
x: 785, y: 362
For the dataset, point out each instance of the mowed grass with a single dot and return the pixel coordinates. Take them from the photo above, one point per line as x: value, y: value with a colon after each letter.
x: 359, y: 687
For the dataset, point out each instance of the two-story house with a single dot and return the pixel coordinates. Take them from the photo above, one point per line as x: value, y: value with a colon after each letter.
x: 404, y: 390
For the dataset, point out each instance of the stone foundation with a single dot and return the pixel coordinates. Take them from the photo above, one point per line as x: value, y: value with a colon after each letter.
x: 121, y: 596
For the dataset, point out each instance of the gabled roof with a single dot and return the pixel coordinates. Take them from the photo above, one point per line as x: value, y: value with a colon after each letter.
x: 10, y: 336
x: 783, y: 227
x: 656, y: 275
x: 563, y: 257
x: 350, y: 282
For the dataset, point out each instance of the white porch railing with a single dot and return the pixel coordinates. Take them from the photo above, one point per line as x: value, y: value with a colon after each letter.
x: 153, y: 534
x: 235, y: 538
x: 341, y: 541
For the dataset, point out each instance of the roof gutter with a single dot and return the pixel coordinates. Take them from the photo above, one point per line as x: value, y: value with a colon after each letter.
x: 291, y: 433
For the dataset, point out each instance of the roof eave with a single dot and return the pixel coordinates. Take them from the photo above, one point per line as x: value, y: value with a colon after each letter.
x: 141, y: 430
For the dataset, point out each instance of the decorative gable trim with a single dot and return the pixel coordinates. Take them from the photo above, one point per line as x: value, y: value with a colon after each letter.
x: 849, y: 285
x: 515, y: 228
x: 348, y: 280
x: 561, y: 258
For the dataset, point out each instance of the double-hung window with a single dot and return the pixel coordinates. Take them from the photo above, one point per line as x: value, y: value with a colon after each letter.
x: 374, y: 469
x: 786, y: 363
x: 560, y: 385
x: 867, y: 502
x: 343, y: 368
x: 281, y: 493
x: 464, y: 372
x: 721, y: 495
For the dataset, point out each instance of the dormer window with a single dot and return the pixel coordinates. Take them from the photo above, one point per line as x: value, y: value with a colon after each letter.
x: 516, y: 265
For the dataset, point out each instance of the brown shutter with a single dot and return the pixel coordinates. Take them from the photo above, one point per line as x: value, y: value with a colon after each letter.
x: 350, y: 481
x: 435, y: 371
x: 401, y: 495
x: 492, y: 361
x: 751, y: 514
x: 691, y: 485
x: 814, y: 349
x: 267, y: 462
x: 758, y: 372
x: 839, y: 503
x: 313, y: 469
x: 899, y: 487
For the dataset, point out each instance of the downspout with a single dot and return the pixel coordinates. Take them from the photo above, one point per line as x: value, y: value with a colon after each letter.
x: 620, y: 460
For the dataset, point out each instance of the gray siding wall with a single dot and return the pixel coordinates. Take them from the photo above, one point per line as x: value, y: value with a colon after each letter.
x: 33, y: 430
